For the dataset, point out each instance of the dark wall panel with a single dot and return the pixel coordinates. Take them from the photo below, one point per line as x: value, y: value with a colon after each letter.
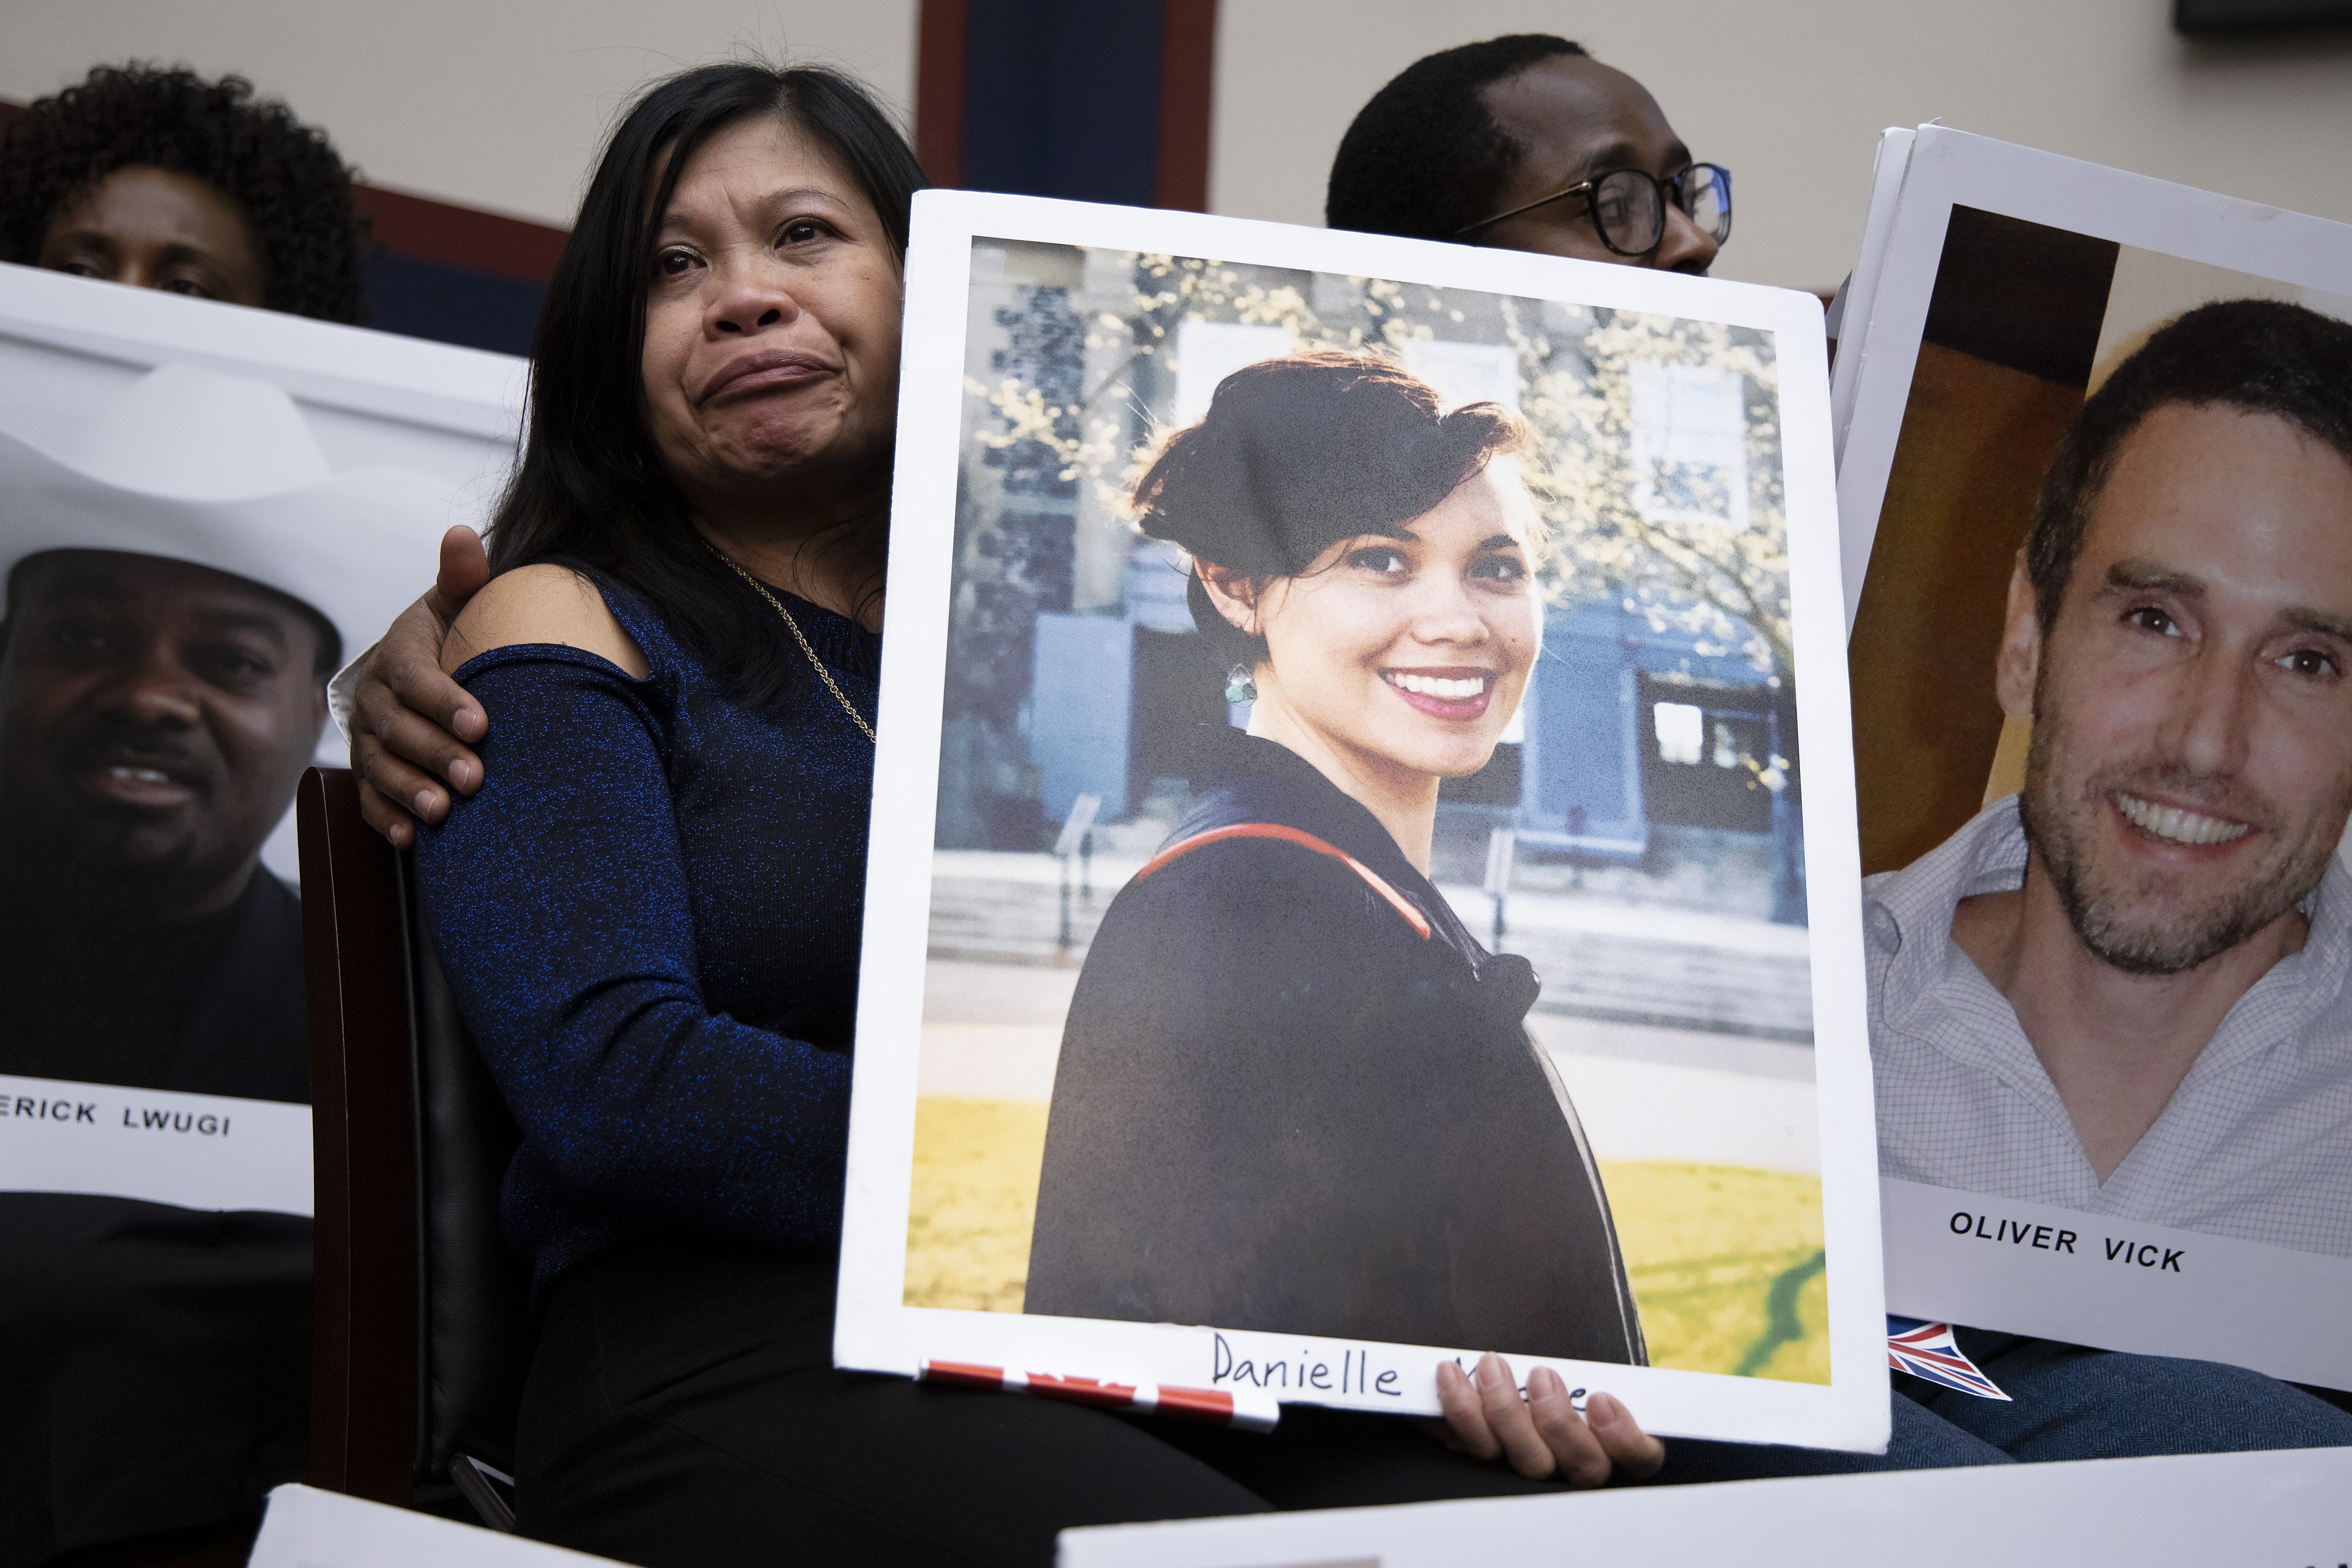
x: 1104, y: 100
x: 449, y: 304
x: 1062, y: 99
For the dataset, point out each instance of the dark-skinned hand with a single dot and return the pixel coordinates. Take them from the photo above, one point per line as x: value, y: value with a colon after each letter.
x: 411, y: 724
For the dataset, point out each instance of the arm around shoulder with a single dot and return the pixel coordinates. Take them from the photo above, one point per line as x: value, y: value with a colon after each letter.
x: 541, y: 603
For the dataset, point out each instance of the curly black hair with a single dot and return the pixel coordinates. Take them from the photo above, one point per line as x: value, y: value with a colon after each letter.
x: 293, y: 188
x: 1424, y: 156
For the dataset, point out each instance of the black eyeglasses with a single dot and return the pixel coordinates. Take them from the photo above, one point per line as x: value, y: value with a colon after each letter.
x: 1628, y: 206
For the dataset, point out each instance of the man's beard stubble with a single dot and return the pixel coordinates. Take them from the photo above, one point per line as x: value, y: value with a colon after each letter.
x: 2142, y: 928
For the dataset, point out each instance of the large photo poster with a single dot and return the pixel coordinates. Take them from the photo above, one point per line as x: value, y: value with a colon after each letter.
x: 2095, y: 495
x: 204, y: 510
x: 1348, y: 804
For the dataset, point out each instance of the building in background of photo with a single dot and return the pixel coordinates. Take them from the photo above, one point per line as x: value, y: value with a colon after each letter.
x: 1651, y: 718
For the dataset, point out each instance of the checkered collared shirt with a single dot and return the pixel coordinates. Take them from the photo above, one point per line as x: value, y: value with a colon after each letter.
x: 2256, y: 1143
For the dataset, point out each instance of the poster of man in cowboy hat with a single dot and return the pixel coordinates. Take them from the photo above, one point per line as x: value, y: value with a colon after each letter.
x: 181, y: 581
x: 204, y: 510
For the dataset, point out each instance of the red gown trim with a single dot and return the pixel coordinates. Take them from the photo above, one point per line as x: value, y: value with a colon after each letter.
x: 1398, y: 902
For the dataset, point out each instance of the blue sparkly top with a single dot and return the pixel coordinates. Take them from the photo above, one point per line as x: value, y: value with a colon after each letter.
x: 649, y: 917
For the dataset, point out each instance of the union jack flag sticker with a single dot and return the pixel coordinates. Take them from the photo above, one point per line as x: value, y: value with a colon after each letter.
x: 1928, y: 1351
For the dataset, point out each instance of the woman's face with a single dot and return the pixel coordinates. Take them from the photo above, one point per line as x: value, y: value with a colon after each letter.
x: 1404, y: 658
x: 156, y: 230
x: 772, y: 325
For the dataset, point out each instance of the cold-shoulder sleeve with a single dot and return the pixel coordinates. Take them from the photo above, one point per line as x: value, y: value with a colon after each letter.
x: 557, y: 897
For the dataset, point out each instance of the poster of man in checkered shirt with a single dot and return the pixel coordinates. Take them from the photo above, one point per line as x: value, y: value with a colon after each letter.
x: 2103, y: 691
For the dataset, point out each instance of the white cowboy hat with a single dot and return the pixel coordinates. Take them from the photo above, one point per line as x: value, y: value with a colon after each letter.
x: 223, y: 471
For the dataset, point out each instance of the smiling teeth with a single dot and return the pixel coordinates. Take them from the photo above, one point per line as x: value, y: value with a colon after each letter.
x: 1432, y: 686
x: 143, y: 775
x: 2180, y: 826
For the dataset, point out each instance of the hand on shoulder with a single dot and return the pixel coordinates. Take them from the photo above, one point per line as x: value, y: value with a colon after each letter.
x: 540, y: 603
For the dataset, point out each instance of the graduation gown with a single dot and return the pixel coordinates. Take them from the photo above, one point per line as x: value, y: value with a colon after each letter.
x: 1283, y: 1103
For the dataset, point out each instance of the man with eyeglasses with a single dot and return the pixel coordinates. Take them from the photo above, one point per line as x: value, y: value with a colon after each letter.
x: 1527, y: 142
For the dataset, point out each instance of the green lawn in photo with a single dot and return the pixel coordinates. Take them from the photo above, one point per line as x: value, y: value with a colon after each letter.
x: 1726, y: 1263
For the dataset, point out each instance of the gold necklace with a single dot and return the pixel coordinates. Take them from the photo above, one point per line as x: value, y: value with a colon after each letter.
x: 801, y: 637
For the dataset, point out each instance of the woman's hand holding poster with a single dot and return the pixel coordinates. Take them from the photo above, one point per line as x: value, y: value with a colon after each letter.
x: 1359, y: 722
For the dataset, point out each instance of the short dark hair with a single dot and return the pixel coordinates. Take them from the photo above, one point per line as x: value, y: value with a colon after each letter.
x: 1297, y: 454
x: 1425, y: 158
x: 2260, y: 355
x: 591, y: 490
x: 286, y: 178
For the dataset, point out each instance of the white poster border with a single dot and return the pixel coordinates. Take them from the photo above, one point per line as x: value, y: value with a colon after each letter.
x: 2274, y: 1293
x: 1887, y: 172
x: 378, y: 375
x: 307, y: 1527
x: 874, y: 1329
x: 1949, y: 168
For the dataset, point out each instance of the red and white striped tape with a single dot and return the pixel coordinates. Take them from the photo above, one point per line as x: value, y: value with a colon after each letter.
x: 1252, y: 1410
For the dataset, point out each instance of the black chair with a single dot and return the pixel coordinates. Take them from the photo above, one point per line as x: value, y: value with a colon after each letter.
x: 424, y: 1330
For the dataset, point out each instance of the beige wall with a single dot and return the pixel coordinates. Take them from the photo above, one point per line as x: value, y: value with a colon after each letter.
x: 500, y: 103
x: 492, y: 103
x: 1792, y: 97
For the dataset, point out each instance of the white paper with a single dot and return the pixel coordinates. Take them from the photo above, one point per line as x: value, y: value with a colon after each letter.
x: 2094, y: 1279
x: 1886, y: 174
x: 2277, y: 1510
x: 193, y: 1151
x: 875, y: 1329
x: 306, y: 1527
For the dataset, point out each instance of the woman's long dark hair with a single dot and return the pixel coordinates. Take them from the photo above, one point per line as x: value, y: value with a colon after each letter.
x: 591, y: 490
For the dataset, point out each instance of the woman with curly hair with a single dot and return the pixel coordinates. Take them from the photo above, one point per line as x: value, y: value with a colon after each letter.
x: 163, y: 180
x: 1282, y: 1029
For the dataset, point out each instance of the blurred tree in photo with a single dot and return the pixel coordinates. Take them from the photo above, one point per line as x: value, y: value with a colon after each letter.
x: 1632, y: 517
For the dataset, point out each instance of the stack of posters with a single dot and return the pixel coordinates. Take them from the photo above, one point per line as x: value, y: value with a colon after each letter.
x: 1997, y: 288
x: 1392, y: 943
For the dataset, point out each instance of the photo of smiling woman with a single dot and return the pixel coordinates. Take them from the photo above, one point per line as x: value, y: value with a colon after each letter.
x: 1294, y: 1092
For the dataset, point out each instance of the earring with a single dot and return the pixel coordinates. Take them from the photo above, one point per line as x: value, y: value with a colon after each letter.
x: 1239, y: 686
